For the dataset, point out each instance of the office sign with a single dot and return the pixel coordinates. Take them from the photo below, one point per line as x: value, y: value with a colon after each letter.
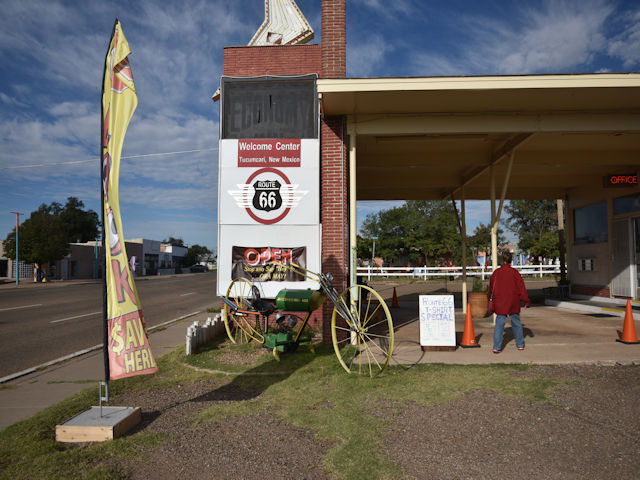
x: 618, y: 180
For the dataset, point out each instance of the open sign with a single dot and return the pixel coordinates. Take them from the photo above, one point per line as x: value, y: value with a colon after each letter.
x: 262, y: 256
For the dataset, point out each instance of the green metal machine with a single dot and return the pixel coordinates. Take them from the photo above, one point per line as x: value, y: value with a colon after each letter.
x: 291, y: 300
x: 251, y: 316
x: 361, y: 326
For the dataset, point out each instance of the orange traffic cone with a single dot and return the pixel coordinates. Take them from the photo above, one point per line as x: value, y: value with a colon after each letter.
x: 468, y: 336
x: 394, y: 301
x: 629, y: 335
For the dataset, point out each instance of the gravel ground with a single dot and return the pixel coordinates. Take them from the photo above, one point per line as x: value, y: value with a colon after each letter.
x: 250, y: 447
x: 590, y: 431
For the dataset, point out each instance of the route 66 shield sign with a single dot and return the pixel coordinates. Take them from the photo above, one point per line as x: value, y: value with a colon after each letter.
x: 267, y: 195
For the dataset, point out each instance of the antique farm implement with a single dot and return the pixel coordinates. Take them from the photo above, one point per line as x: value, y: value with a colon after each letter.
x: 361, y: 325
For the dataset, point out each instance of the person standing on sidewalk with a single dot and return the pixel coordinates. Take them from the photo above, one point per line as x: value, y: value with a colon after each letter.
x: 508, y: 290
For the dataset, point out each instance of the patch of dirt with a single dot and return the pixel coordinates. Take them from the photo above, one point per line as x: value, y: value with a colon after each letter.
x: 590, y: 430
x: 251, y: 447
x: 230, y: 356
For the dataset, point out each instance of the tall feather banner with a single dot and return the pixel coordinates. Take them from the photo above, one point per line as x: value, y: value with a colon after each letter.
x: 126, y: 342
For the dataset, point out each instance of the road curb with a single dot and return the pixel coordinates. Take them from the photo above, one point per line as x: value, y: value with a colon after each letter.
x: 79, y: 353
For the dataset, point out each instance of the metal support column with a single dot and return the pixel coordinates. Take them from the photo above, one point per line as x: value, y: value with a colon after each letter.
x: 463, y: 235
x: 352, y: 206
x: 494, y: 222
x: 563, y: 266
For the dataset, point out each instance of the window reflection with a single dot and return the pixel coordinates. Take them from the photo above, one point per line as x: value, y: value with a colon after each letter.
x: 628, y: 204
x: 591, y: 224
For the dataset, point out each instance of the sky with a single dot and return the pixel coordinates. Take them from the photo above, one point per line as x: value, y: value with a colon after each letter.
x: 52, y: 58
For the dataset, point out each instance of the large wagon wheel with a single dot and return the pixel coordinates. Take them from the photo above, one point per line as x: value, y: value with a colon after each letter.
x: 362, y: 331
x: 240, y: 320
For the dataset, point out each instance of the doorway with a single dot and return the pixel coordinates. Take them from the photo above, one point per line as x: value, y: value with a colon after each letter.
x: 636, y: 250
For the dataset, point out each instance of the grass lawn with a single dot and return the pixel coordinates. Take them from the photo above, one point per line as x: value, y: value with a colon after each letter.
x: 305, y: 389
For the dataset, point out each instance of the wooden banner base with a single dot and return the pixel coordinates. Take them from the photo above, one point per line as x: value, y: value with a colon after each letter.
x: 91, y: 426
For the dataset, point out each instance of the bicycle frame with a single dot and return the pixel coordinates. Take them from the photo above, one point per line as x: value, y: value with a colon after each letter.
x: 328, y: 289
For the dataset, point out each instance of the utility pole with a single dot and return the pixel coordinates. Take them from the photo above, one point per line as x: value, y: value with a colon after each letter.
x: 17, y: 256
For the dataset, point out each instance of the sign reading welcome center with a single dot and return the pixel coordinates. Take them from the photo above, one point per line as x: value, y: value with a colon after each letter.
x: 269, y: 182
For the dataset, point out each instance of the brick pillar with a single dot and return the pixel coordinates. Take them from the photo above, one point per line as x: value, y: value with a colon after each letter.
x: 334, y: 190
x: 333, y: 197
x: 334, y: 39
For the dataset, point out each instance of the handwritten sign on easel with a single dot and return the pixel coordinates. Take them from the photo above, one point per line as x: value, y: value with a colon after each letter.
x: 437, y: 321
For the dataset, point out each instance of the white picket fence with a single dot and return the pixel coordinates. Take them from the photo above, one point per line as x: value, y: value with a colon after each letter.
x: 200, y: 335
x: 434, y: 272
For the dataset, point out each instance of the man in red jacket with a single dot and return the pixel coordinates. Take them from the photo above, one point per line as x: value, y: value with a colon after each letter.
x: 507, y: 288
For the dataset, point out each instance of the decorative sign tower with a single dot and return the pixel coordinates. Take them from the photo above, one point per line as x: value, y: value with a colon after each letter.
x: 269, y: 167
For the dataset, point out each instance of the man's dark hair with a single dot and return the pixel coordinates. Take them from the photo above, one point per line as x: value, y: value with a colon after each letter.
x: 507, y: 257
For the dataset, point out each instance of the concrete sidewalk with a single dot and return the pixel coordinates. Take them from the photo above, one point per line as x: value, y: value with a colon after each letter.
x: 552, y: 336
x: 25, y: 396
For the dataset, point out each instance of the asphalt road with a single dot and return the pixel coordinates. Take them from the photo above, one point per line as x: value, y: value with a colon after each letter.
x: 39, y: 323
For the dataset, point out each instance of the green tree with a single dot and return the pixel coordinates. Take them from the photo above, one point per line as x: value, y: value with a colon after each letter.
x: 46, y: 234
x: 481, y: 239
x: 80, y: 225
x: 536, y: 224
x: 198, y: 253
x: 176, y: 242
x: 42, y: 238
x: 421, y: 229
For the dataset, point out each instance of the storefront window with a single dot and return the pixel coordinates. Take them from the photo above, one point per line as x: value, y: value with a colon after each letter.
x: 628, y: 204
x: 591, y: 224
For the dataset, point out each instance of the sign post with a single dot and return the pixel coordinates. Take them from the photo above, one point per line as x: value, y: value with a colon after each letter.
x: 17, y: 255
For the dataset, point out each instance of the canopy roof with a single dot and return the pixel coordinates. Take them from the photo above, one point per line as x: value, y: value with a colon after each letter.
x: 423, y: 138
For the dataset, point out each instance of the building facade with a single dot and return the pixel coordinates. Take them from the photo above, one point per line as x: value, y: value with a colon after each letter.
x: 461, y: 138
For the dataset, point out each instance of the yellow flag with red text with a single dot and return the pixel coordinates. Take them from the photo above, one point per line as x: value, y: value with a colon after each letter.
x: 129, y: 351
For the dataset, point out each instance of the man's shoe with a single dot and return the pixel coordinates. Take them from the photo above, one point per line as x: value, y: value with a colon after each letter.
x: 496, y: 351
x: 520, y: 348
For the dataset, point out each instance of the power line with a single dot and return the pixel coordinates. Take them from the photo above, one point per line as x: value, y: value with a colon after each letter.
x: 164, y: 154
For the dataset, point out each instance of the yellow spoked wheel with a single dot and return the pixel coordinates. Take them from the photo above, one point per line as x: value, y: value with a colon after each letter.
x: 240, y: 322
x: 362, y: 331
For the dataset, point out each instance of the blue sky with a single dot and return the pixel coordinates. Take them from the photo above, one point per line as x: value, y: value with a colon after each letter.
x: 52, y: 54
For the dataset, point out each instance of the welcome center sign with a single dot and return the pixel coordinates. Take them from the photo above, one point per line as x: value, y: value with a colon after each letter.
x: 269, y: 182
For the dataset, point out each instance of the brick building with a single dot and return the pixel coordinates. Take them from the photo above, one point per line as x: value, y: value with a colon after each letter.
x: 457, y: 138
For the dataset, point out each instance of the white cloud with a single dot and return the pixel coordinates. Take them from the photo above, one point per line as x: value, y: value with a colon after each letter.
x: 168, y: 198
x: 558, y: 36
x: 429, y: 64
x: 6, y: 99
x: 390, y: 9
x: 199, y: 232
x: 626, y: 45
x: 366, y: 57
x: 561, y: 36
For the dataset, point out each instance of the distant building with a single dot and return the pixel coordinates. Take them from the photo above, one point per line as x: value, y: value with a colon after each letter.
x: 8, y: 266
x: 84, y: 260
x: 173, y: 256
